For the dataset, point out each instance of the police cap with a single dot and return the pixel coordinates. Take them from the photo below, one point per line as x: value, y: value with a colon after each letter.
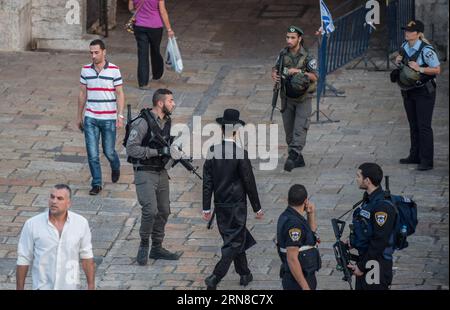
x: 414, y: 26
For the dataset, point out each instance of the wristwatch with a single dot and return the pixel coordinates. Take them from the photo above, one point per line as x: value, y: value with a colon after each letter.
x: 421, y: 70
x: 121, y: 116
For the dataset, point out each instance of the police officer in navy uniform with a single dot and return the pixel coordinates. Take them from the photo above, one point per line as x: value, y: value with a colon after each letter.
x: 297, y: 242
x: 418, y: 54
x: 298, y: 82
x: 373, y: 231
x: 228, y: 175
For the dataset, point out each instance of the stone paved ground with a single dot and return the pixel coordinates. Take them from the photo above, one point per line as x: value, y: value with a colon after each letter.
x: 228, y: 55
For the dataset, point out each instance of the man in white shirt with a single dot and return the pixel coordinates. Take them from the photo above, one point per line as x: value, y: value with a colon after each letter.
x: 55, y: 241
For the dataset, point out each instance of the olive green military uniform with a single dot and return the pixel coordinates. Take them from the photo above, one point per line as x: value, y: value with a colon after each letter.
x: 296, y: 112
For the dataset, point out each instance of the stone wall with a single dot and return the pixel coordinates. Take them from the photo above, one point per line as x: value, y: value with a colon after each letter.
x: 15, y: 23
x: 434, y: 14
x: 43, y: 24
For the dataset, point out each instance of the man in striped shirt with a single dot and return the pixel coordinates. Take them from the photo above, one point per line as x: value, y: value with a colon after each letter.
x: 102, y: 100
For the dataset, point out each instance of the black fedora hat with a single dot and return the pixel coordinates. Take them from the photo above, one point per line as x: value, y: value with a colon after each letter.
x: 230, y: 116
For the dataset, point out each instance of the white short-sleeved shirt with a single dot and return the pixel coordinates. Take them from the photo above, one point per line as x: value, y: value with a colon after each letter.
x: 55, y: 259
x: 101, y: 90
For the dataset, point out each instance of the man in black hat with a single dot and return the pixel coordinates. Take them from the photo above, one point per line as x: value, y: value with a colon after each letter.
x: 228, y: 174
x: 418, y: 54
x: 298, y: 82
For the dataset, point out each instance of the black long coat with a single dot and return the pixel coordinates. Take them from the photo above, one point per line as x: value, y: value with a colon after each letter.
x: 227, y: 173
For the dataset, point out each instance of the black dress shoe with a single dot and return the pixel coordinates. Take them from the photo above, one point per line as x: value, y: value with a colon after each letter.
x: 246, y: 279
x: 162, y: 253
x: 211, y: 282
x: 423, y: 167
x: 409, y: 160
x: 95, y: 190
x: 115, y: 175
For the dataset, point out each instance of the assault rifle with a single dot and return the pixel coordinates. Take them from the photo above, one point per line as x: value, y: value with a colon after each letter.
x: 277, y: 86
x: 186, y: 162
x: 341, y: 249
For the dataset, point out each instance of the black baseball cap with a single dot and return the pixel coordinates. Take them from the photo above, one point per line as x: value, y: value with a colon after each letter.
x: 414, y: 25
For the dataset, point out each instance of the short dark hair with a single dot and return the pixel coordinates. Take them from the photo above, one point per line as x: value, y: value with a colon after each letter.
x: 373, y: 172
x: 160, y: 94
x: 297, y: 195
x: 98, y: 42
x: 64, y: 186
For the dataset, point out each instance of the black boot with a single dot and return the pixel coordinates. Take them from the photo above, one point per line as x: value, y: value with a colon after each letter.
x: 294, y: 161
x: 142, y: 255
x: 211, y: 282
x: 290, y: 161
x: 246, y: 279
x: 161, y: 253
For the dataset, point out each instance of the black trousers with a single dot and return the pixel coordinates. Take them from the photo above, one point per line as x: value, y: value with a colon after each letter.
x: 419, y: 106
x: 289, y: 283
x: 385, y: 278
x: 149, y: 40
x: 240, y: 264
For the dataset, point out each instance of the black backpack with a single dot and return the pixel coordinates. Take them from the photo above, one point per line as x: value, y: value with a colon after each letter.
x: 128, y: 125
x: 406, y: 217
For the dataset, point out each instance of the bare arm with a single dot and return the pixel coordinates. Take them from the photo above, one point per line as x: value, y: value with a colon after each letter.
x: 295, y: 267
x: 165, y: 18
x: 81, y: 103
x: 432, y: 71
x: 89, y: 269
x: 21, y: 274
x: 120, y: 105
x: 130, y: 5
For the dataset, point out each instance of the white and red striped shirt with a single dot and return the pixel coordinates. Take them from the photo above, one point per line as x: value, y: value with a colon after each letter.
x: 101, y: 90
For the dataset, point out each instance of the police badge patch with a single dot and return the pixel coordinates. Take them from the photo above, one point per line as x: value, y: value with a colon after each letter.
x: 312, y: 64
x: 133, y: 135
x: 380, y: 218
x: 295, y: 234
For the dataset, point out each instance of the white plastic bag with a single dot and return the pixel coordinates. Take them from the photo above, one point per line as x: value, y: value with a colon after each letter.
x: 173, y: 56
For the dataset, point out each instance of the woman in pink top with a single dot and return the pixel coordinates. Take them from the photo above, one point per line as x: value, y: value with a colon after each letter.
x: 150, y: 19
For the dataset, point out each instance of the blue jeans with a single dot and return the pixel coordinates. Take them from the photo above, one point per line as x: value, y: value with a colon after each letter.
x: 93, y: 128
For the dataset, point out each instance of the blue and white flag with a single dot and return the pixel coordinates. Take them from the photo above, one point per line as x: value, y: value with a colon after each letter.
x: 327, y: 20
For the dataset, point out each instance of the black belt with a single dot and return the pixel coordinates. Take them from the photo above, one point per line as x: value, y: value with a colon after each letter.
x: 148, y: 168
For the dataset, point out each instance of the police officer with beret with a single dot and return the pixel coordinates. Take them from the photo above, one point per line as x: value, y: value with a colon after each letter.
x: 297, y: 242
x: 373, y: 232
x: 150, y: 158
x: 298, y: 81
x: 419, y: 65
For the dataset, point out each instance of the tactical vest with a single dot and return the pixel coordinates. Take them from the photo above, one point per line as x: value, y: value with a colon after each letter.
x: 309, y: 259
x: 298, y: 62
x: 363, y: 229
x: 149, y: 141
x: 423, y: 78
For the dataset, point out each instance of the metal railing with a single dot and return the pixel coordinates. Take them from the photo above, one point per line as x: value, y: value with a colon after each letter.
x: 349, y: 41
x: 399, y: 13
